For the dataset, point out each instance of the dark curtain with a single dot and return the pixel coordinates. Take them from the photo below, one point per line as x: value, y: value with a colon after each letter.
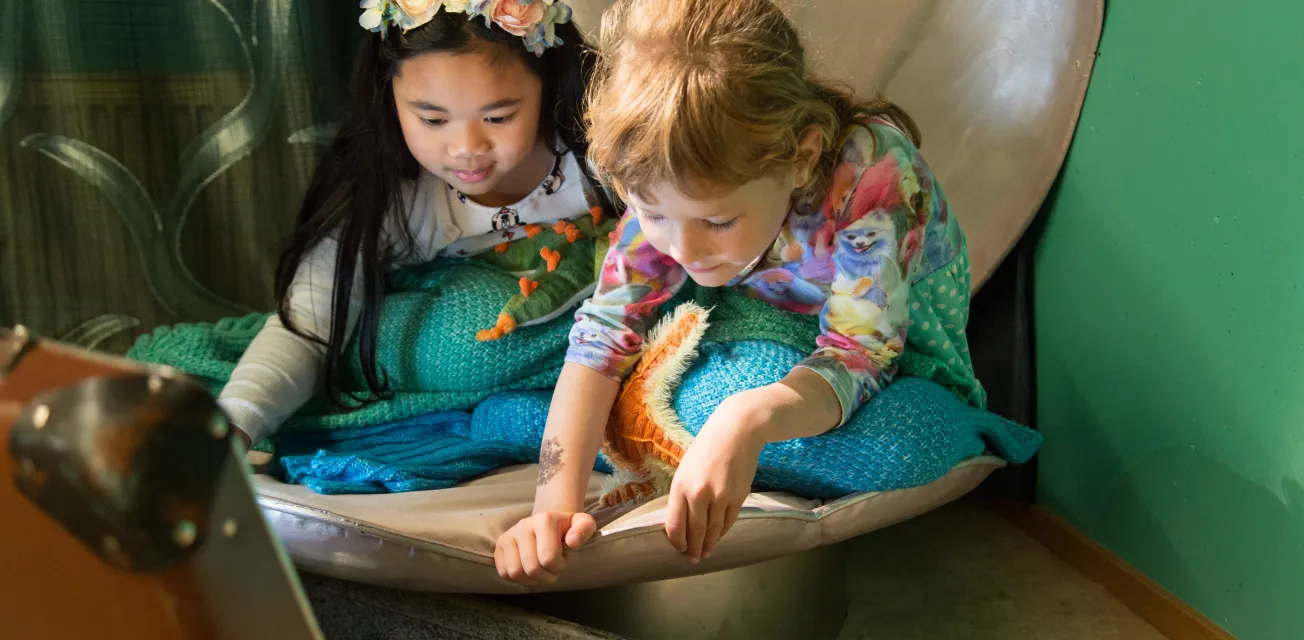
x: 153, y: 154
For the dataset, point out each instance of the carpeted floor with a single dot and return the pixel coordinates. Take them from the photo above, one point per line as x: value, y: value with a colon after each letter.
x: 966, y: 572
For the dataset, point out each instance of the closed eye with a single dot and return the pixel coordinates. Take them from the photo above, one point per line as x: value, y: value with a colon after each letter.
x: 434, y: 122
x: 500, y: 119
x: 722, y: 226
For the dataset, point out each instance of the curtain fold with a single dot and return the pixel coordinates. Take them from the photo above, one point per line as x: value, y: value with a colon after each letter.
x: 153, y: 154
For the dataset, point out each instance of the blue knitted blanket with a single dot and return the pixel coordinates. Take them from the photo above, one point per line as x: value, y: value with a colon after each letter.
x: 452, y: 417
x: 911, y: 434
x: 428, y: 452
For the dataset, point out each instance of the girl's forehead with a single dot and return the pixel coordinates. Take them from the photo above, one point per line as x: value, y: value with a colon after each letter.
x: 464, y: 80
x: 666, y: 199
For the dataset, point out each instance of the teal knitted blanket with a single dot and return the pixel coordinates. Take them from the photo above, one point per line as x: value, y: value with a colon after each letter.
x: 429, y: 352
x: 427, y: 348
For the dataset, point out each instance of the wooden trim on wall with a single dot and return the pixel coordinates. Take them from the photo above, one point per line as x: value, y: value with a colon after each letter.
x: 1156, y: 605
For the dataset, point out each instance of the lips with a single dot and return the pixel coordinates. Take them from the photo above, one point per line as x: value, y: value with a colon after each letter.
x: 473, y: 176
x: 697, y: 269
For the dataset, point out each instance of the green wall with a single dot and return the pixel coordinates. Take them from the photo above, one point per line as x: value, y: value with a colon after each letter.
x: 1170, y: 316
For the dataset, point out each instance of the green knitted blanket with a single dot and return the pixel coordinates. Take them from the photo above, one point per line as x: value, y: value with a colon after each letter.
x: 427, y: 344
x: 428, y: 351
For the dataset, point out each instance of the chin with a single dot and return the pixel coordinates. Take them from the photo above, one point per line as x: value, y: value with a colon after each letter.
x: 472, y: 189
x: 716, y: 278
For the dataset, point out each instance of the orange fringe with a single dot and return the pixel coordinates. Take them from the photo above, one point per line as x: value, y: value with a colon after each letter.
x: 552, y: 257
x: 504, y: 326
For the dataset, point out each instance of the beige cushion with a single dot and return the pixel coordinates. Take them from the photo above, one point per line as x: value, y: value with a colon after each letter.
x: 444, y: 540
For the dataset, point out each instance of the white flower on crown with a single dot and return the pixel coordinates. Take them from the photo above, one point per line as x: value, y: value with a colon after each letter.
x: 373, y: 14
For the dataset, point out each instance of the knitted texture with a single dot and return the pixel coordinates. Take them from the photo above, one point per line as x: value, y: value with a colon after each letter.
x: 429, y: 452
x: 419, y: 454
x: 735, y: 317
x: 427, y: 348
x: 646, y: 438
x: 911, y: 434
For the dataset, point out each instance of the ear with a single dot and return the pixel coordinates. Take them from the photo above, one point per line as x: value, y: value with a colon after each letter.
x: 810, y: 146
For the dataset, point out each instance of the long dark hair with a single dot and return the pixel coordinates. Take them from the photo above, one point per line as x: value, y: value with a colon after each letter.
x: 357, y: 189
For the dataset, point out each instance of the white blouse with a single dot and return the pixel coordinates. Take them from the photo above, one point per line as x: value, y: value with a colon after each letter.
x: 278, y: 373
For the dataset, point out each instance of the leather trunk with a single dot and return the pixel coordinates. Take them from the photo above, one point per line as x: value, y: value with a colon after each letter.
x: 127, y: 508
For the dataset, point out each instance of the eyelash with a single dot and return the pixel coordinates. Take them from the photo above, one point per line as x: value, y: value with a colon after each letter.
x: 713, y: 226
x: 436, y: 122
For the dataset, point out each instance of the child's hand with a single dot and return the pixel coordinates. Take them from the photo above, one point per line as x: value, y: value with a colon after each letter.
x: 713, y: 479
x: 534, y: 551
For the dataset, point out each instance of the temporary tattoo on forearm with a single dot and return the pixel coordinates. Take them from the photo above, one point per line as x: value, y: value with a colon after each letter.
x: 549, y: 460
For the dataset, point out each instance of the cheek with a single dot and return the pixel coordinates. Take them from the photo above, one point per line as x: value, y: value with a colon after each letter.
x: 518, y: 140
x: 656, y: 236
x: 520, y: 136
x: 667, y: 238
x: 421, y: 140
x: 756, y: 238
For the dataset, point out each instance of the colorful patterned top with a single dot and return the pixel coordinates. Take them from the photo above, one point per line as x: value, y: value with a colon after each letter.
x: 880, y: 252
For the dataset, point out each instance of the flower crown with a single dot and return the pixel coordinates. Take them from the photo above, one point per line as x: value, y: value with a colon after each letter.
x: 533, y: 20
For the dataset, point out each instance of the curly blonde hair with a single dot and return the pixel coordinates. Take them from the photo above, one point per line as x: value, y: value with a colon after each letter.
x: 708, y: 95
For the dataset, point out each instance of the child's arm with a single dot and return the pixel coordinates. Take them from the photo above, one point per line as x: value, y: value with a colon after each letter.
x: 864, y: 321
x: 577, y: 418
x: 278, y: 373
x: 534, y: 550
x: 716, y: 473
x: 802, y: 405
x: 605, y: 344
x: 863, y: 332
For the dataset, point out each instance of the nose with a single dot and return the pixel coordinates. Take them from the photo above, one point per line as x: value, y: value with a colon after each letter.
x: 687, y: 247
x: 468, y: 142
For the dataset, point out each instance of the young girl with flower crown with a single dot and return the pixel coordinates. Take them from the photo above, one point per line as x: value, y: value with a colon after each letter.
x: 460, y: 111
x: 741, y: 170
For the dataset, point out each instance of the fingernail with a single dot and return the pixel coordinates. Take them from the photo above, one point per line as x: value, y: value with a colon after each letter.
x: 706, y: 555
x: 692, y: 561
